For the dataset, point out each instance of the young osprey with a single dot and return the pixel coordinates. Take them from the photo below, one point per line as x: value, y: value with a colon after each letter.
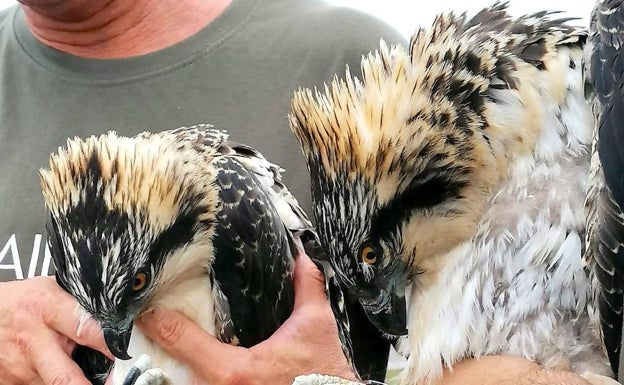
x: 181, y: 219
x: 448, y: 187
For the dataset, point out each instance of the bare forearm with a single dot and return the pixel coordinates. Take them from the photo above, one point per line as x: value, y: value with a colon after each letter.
x: 507, y: 370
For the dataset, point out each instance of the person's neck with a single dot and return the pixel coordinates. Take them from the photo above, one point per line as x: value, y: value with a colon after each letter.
x: 118, y: 28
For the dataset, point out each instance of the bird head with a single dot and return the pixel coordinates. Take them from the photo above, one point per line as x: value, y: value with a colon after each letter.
x: 128, y: 217
x: 400, y: 165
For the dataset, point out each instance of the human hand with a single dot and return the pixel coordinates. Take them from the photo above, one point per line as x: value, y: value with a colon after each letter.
x: 511, y: 370
x: 40, y: 324
x: 306, y: 343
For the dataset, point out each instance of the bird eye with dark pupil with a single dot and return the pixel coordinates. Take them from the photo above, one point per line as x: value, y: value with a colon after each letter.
x: 140, y: 280
x: 368, y: 255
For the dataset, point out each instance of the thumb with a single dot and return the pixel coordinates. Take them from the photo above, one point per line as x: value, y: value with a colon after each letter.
x: 63, y: 314
x: 309, y: 282
x: 189, y: 343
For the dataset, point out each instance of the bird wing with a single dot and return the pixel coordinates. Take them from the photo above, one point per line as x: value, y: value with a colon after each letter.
x: 93, y: 364
x: 269, y: 176
x: 605, y: 219
x: 365, y: 347
x: 254, y: 249
x: 255, y: 252
x: 254, y: 244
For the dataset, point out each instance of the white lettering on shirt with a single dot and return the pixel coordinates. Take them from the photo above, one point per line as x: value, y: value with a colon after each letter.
x: 11, y: 246
x: 10, y: 257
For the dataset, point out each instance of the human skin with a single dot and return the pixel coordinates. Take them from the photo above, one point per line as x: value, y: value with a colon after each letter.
x: 507, y: 370
x: 40, y: 324
x: 111, y: 29
x: 37, y: 344
x: 306, y: 343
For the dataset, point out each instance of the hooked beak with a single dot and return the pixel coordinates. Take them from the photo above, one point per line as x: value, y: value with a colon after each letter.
x: 387, y: 310
x: 117, y: 339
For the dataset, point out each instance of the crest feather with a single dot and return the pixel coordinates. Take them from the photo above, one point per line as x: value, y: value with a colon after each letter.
x: 467, y: 90
x: 153, y: 175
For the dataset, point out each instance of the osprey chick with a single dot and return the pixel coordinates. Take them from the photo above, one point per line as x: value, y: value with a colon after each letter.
x: 455, y: 172
x: 181, y: 219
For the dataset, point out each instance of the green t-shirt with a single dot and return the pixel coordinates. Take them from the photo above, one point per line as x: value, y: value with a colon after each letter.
x: 238, y: 74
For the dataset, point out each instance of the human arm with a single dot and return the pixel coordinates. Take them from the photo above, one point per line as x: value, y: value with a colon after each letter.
x: 40, y: 325
x: 306, y: 343
x: 507, y: 370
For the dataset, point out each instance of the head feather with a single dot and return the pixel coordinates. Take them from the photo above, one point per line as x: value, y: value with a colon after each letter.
x: 154, y: 176
x: 119, y: 205
x: 433, y: 127
x: 437, y: 102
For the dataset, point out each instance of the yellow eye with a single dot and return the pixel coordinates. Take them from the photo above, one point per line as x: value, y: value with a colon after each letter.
x: 140, y: 280
x: 368, y: 255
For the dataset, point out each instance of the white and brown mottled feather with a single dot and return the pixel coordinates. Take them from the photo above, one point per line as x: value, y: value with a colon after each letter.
x: 465, y: 156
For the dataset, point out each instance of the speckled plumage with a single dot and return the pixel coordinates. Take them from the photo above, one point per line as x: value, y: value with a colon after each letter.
x: 208, y: 221
x: 462, y: 162
x: 605, y: 221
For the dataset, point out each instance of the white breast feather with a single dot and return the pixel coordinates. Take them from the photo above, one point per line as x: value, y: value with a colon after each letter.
x: 519, y: 286
x: 182, y: 296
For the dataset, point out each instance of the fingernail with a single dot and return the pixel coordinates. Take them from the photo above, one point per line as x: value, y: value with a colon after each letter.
x: 147, y: 315
x: 155, y: 316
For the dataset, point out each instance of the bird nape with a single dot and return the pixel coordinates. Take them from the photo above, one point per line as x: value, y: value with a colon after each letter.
x: 448, y: 187
x: 182, y: 219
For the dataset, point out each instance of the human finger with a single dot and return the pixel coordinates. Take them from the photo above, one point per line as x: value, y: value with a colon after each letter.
x: 54, y: 365
x: 64, y: 315
x: 189, y: 343
x: 309, y: 283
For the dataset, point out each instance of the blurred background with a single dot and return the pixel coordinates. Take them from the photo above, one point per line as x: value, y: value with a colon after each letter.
x: 406, y: 15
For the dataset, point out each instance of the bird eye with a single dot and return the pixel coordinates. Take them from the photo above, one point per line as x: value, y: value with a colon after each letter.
x: 140, y: 280
x: 368, y: 255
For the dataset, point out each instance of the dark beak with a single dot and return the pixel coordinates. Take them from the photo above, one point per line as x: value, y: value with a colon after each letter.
x: 387, y: 309
x: 117, y: 340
